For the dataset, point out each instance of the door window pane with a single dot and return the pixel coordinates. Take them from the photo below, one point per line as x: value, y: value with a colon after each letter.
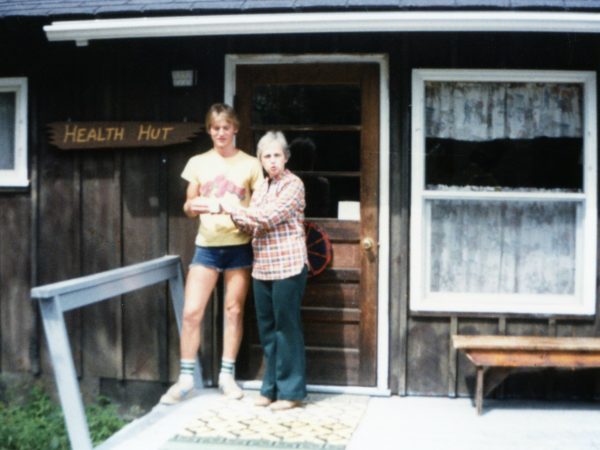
x: 322, y: 124
x: 293, y: 104
x: 323, y: 193
x: 324, y: 151
x: 329, y: 165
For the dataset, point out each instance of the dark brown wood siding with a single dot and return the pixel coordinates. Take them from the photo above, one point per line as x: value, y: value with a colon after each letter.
x: 88, y: 211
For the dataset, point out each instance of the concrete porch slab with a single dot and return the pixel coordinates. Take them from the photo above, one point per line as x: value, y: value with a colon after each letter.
x: 433, y: 423
x: 416, y: 423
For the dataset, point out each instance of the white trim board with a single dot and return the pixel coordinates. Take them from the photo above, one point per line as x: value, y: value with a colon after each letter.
x: 17, y: 176
x: 83, y: 31
x: 232, y: 61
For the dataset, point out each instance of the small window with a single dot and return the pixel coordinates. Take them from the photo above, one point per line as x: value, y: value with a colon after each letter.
x: 13, y: 132
x: 503, y: 192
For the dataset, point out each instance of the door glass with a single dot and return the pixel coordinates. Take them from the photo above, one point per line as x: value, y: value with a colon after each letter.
x: 322, y: 126
x: 288, y: 104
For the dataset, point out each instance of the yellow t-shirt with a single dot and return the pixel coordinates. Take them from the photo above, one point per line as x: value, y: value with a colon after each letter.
x: 231, y: 180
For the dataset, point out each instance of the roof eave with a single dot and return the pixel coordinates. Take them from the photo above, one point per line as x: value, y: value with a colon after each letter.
x: 83, y: 31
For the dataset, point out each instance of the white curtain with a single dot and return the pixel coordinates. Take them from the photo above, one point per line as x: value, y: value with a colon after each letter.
x: 500, y: 246
x: 503, y: 247
x: 471, y: 111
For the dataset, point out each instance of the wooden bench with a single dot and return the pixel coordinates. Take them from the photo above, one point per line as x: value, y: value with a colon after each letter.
x: 507, y: 353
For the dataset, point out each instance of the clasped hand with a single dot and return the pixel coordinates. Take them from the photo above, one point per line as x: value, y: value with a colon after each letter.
x: 203, y: 205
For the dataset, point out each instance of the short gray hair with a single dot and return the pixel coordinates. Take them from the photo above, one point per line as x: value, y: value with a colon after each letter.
x: 268, y: 139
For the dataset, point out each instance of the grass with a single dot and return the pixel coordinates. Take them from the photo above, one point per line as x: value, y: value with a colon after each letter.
x: 31, y: 420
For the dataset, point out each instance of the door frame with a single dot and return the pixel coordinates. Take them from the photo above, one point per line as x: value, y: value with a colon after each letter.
x: 383, y: 324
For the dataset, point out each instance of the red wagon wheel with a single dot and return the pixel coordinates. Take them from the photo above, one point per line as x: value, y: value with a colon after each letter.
x: 319, y: 248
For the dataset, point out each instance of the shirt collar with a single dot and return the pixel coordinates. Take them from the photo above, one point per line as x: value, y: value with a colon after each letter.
x: 279, y: 177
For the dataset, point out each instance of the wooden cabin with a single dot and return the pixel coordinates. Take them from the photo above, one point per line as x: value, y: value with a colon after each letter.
x: 449, y: 150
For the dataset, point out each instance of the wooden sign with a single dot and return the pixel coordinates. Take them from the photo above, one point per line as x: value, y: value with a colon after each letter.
x: 94, y: 135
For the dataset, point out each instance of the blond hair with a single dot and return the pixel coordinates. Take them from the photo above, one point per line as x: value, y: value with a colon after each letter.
x: 270, y: 137
x: 218, y: 109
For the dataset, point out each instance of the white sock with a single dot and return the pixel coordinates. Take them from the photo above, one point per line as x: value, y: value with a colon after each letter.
x: 186, y: 374
x: 186, y: 381
x: 227, y: 367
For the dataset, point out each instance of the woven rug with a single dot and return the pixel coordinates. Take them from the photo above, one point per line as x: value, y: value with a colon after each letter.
x: 322, y: 422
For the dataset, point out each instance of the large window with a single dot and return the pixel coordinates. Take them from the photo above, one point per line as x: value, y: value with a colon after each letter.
x: 13, y: 132
x: 503, y: 212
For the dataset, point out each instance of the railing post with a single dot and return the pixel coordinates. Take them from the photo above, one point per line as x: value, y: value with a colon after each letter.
x: 64, y: 373
x: 177, y: 298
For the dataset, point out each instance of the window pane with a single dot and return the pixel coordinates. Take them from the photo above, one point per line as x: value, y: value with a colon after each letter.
x: 542, y: 163
x: 504, y: 135
x: 306, y: 104
x: 7, y: 130
x: 502, y: 247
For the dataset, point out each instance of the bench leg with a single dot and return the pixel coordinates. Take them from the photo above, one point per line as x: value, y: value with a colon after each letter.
x: 479, y: 390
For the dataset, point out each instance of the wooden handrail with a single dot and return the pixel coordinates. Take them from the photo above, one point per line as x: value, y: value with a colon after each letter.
x: 57, y: 298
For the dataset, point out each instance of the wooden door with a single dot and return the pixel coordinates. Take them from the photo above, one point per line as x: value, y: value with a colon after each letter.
x: 330, y: 116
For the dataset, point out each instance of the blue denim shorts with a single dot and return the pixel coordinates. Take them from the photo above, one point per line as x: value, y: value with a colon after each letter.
x: 223, y: 258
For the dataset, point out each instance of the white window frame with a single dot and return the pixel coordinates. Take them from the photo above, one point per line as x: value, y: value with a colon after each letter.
x: 583, y: 301
x: 18, y: 176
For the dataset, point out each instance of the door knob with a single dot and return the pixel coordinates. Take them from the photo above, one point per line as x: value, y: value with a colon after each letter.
x: 368, y: 244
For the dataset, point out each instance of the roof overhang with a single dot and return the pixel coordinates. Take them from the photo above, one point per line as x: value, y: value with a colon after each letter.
x: 83, y: 31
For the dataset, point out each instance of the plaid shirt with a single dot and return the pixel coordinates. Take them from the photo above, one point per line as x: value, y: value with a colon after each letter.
x: 275, y: 219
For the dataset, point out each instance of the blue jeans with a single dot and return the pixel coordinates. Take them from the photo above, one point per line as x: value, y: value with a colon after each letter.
x: 277, y: 304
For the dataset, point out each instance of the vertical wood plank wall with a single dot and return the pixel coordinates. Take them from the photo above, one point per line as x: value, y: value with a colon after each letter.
x: 100, y: 209
x: 96, y: 210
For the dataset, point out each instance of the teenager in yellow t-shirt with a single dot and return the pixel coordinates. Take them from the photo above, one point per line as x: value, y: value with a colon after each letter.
x: 224, y: 174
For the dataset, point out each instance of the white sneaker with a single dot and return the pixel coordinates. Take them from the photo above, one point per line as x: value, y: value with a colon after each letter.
x: 176, y: 394
x: 229, y: 387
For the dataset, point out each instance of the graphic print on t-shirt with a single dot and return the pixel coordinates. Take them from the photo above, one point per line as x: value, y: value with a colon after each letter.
x: 219, y: 186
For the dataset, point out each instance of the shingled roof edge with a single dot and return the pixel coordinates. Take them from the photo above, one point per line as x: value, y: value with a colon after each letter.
x: 78, y: 9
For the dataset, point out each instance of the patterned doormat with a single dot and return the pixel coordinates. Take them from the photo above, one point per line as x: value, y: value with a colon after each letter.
x: 322, y: 422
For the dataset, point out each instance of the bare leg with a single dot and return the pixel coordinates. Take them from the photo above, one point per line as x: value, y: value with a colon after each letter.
x: 237, y: 282
x: 199, y: 285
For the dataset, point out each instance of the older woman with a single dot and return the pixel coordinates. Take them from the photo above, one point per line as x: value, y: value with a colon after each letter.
x: 275, y: 218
